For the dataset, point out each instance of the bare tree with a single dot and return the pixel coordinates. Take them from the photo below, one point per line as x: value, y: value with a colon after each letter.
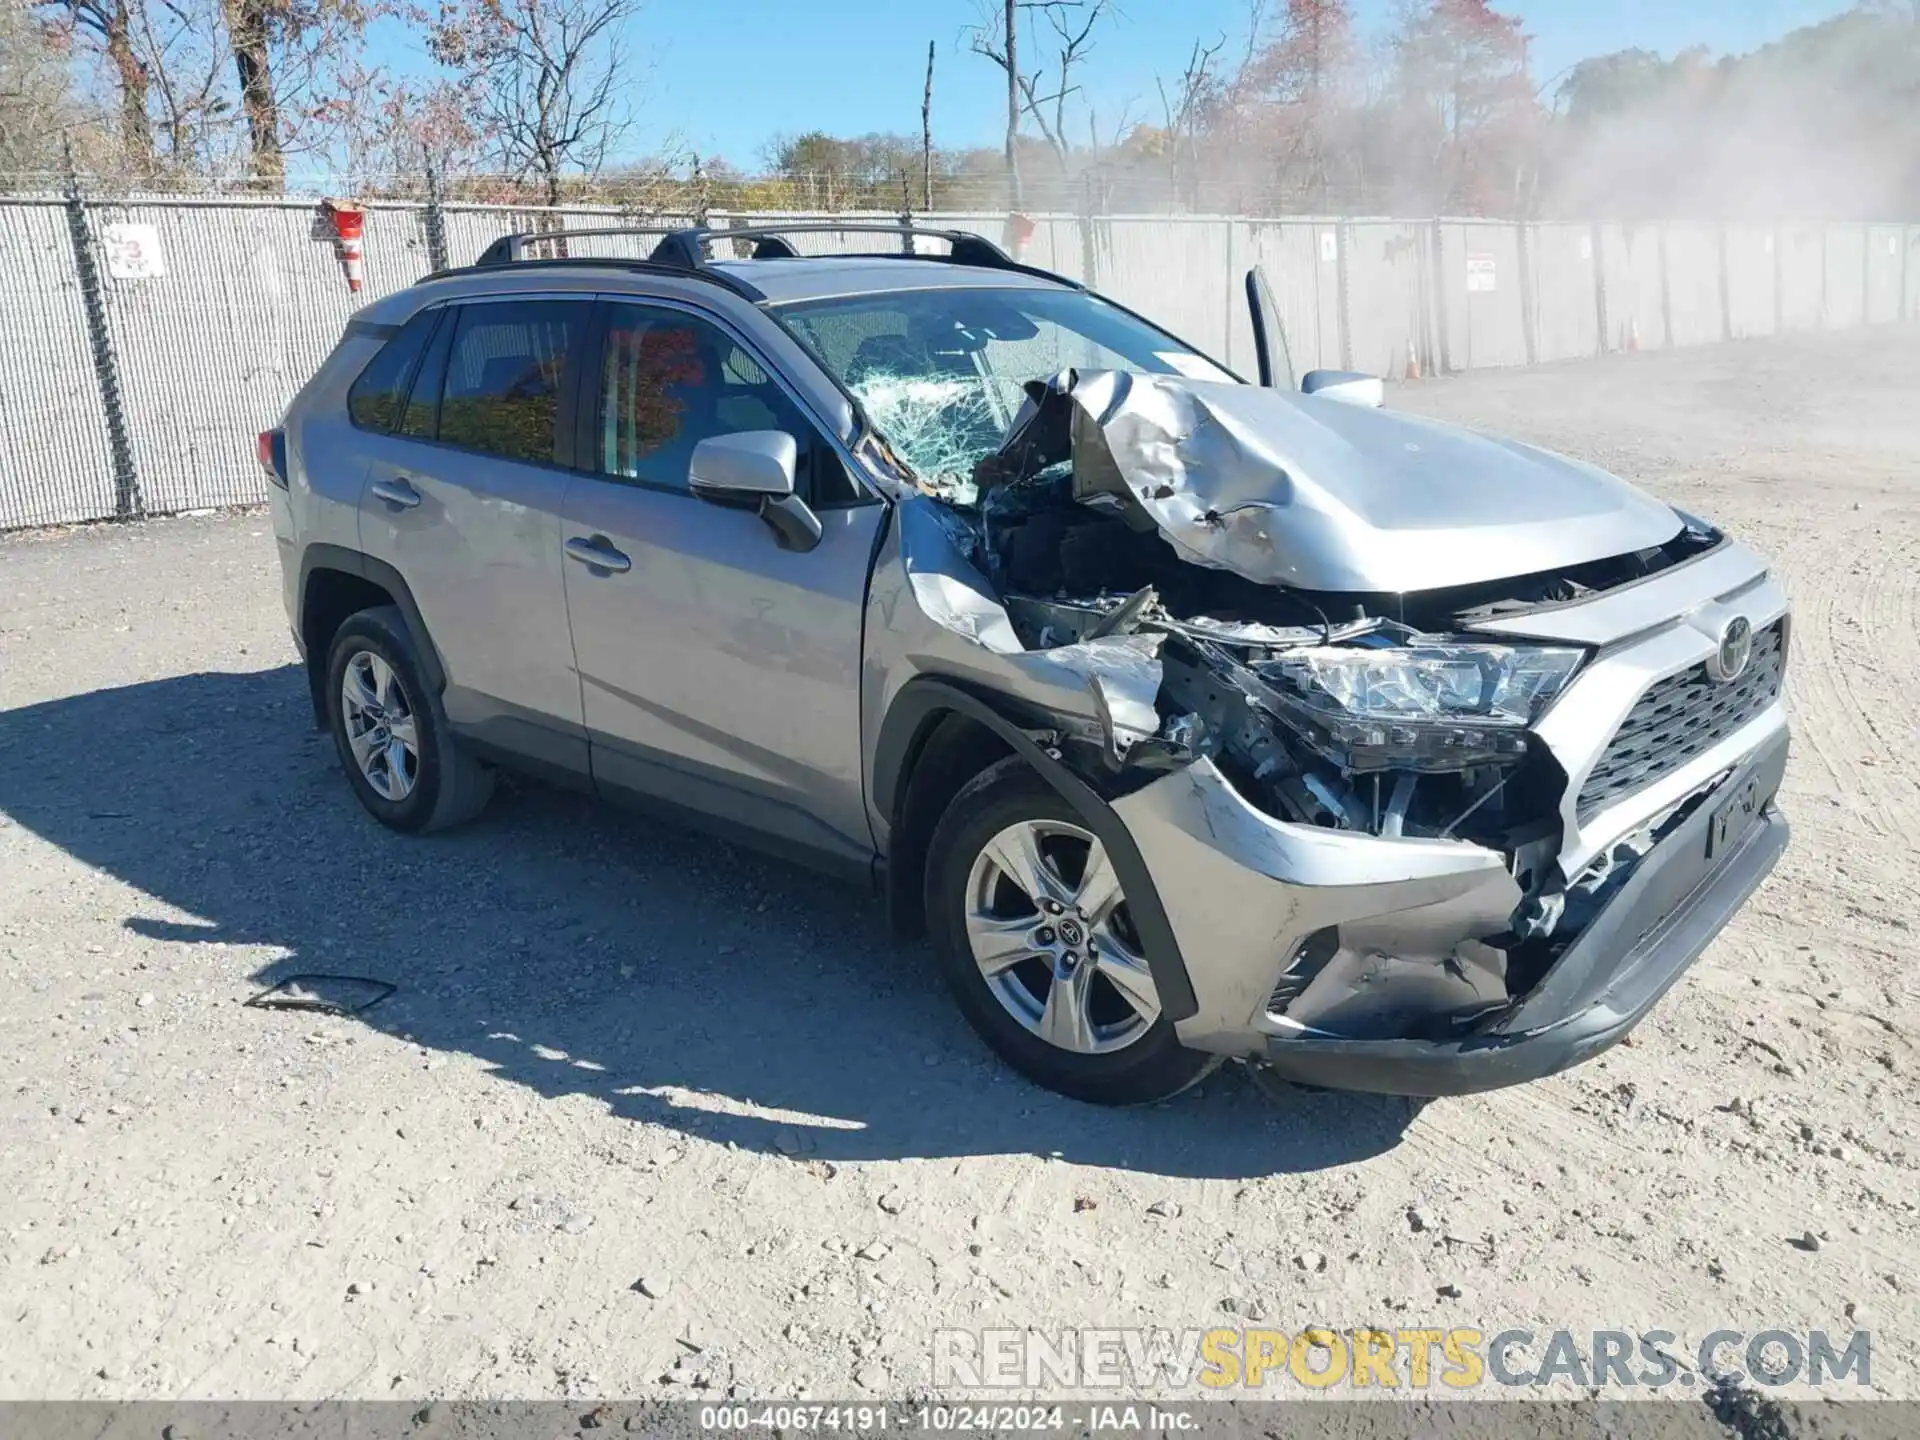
x: 164, y: 60
x: 1072, y: 21
x: 290, y: 60
x: 37, y: 108
x: 376, y: 128
x: 926, y: 135
x: 544, y: 77
x: 998, y: 38
x: 248, y: 25
x: 186, y: 58
x: 1184, y: 109
x: 109, y: 27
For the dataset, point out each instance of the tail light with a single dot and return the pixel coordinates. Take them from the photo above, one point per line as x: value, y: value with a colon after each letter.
x: 271, y: 447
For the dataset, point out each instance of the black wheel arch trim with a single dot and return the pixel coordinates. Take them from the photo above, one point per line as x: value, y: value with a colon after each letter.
x: 920, y: 706
x: 322, y: 556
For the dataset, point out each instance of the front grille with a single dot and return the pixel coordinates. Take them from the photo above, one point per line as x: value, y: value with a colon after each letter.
x: 1681, y: 717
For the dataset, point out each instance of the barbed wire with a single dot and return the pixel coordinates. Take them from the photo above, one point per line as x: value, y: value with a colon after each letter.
x: 1089, y: 192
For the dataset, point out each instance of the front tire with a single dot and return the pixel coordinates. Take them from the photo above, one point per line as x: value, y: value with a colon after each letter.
x: 1033, y: 936
x: 401, y: 757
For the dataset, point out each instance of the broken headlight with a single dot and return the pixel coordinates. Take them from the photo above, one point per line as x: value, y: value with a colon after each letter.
x: 1431, y: 707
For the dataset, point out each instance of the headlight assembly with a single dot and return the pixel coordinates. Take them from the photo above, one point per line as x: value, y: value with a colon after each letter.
x: 1427, y: 707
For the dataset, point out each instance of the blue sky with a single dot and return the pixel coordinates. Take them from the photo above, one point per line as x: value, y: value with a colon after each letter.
x: 724, y: 75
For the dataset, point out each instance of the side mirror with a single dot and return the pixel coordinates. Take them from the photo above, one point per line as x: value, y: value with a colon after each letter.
x: 751, y: 463
x: 1350, y: 387
x: 756, y: 468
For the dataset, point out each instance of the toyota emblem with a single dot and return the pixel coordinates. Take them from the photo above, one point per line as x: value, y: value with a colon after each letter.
x: 1736, y: 648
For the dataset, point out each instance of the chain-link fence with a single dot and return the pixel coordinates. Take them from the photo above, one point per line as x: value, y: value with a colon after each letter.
x: 148, y: 339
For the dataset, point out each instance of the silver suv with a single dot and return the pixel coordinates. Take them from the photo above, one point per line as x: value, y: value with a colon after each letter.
x: 1190, y: 718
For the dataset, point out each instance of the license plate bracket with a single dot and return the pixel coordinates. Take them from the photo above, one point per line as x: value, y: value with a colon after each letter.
x: 1732, y: 816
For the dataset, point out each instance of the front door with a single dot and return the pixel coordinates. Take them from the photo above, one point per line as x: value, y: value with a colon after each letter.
x: 717, y: 670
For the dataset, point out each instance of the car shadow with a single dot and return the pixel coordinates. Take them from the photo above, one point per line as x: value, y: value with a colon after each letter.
x: 580, y: 949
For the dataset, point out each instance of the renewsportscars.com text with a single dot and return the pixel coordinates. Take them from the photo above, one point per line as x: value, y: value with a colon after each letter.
x: 1321, y: 1358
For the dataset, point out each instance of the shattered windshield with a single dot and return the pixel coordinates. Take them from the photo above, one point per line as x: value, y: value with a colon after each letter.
x: 940, y: 372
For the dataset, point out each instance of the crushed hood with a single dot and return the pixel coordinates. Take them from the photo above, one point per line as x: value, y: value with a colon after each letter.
x: 1291, y: 489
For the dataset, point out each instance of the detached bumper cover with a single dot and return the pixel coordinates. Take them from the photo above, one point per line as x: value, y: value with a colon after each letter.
x: 1255, y: 888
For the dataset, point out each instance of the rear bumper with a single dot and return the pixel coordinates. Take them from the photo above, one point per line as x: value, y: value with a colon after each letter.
x: 1243, y: 891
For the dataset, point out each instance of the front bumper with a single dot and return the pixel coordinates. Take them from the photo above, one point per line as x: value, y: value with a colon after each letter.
x: 1243, y: 891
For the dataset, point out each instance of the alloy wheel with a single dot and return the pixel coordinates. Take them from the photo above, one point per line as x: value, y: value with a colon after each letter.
x: 1049, y: 929
x: 381, y: 729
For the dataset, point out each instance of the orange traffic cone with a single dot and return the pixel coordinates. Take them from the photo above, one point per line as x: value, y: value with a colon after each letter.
x: 1413, y: 362
x: 349, y: 222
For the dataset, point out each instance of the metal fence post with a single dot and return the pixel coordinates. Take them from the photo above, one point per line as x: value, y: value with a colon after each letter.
x: 1779, y: 281
x: 1726, y: 288
x: 1866, y: 276
x: 1340, y: 236
x: 1523, y: 246
x: 1423, y: 300
x: 1666, y: 288
x: 1232, y: 292
x: 1906, y: 252
x: 436, y: 221
x: 1089, y: 247
x: 1907, y: 237
x: 106, y: 371
x: 1826, y: 300
x: 1438, y: 258
x: 1596, y: 236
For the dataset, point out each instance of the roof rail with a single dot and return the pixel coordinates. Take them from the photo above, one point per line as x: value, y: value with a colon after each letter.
x: 968, y: 248
x: 685, y: 247
x: 510, y: 249
x: 725, y: 279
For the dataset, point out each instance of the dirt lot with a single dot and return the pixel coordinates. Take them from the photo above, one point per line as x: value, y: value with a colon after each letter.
x: 621, y: 1054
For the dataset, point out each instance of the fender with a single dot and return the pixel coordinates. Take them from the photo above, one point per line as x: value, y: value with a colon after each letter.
x: 919, y: 706
x: 321, y: 556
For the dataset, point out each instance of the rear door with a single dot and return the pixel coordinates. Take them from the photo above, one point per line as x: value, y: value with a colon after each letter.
x: 463, y: 499
x: 718, y: 671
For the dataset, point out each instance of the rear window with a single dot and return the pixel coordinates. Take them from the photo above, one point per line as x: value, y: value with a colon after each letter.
x: 504, y: 377
x: 374, y: 400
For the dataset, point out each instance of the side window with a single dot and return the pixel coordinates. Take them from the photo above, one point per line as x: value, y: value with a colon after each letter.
x: 374, y: 399
x: 420, y: 420
x: 505, y: 377
x: 669, y: 381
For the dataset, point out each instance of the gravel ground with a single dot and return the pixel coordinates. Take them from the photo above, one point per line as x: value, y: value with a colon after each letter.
x: 639, y: 1092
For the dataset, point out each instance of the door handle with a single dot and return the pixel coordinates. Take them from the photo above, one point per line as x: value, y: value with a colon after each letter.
x: 599, y: 554
x: 396, y: 492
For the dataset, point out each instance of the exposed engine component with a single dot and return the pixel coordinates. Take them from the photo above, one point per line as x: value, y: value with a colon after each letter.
x: 1240, y: 692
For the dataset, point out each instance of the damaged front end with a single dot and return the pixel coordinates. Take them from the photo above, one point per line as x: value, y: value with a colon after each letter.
x: 1358, y: 837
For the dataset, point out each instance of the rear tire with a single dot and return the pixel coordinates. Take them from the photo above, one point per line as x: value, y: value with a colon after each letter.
x: 401, y: 757
x: 1054, y: 982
